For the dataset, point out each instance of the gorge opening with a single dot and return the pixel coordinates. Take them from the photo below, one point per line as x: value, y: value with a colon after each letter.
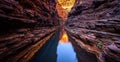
x: 65, y: 51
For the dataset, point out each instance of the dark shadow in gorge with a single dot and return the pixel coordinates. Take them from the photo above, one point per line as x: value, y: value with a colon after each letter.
x: 48, y: 52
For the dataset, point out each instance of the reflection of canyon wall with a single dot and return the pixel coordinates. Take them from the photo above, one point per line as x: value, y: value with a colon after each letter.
x: 96, y: 25
x: 62, y: 32
x: 23, y: 25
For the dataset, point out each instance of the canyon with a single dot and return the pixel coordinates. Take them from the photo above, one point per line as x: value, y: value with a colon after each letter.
x: 28, y: 26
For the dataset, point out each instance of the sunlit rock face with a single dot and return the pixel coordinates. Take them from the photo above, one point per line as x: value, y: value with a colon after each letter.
x: 96, y: 25
x: 63, y: 7
x: 61, y: 12
x: 23, y: 25
x: 66, y: 4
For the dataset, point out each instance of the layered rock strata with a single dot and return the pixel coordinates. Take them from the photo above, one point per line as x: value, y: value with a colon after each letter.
x: 95, y: 26
x: 25, y: 25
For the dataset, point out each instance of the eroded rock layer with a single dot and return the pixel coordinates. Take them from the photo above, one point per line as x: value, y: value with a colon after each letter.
x: 95, y: 25
x: 112, y: 53
x: 25, y: 25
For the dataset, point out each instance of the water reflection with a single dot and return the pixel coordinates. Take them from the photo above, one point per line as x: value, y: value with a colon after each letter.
x: 48, y: 52
x: 65, y: 50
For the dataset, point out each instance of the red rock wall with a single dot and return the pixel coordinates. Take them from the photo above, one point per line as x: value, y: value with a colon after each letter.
x: 93, y: 9
x: 25, y: 13
x: 25, y: 25
x: 61, y: 12
x: 97, y: 21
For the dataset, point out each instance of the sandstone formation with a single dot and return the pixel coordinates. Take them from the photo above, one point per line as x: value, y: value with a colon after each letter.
x: 25, y: 25
x: 95, y: 25
x: 63, y: 8
x: 61, y: 12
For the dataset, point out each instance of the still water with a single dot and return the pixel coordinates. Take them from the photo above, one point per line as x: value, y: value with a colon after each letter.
x: 56, y: 50
x: 65, y: 50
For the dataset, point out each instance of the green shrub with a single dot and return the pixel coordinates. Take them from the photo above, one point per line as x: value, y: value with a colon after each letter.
x: 99, y: 45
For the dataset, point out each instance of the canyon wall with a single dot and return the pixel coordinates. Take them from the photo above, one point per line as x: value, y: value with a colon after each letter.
x: 95, y: 26
x: 23, y: 13
x: 25, y: 25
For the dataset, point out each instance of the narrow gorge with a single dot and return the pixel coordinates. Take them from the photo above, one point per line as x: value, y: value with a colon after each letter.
x: 59, y: 30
